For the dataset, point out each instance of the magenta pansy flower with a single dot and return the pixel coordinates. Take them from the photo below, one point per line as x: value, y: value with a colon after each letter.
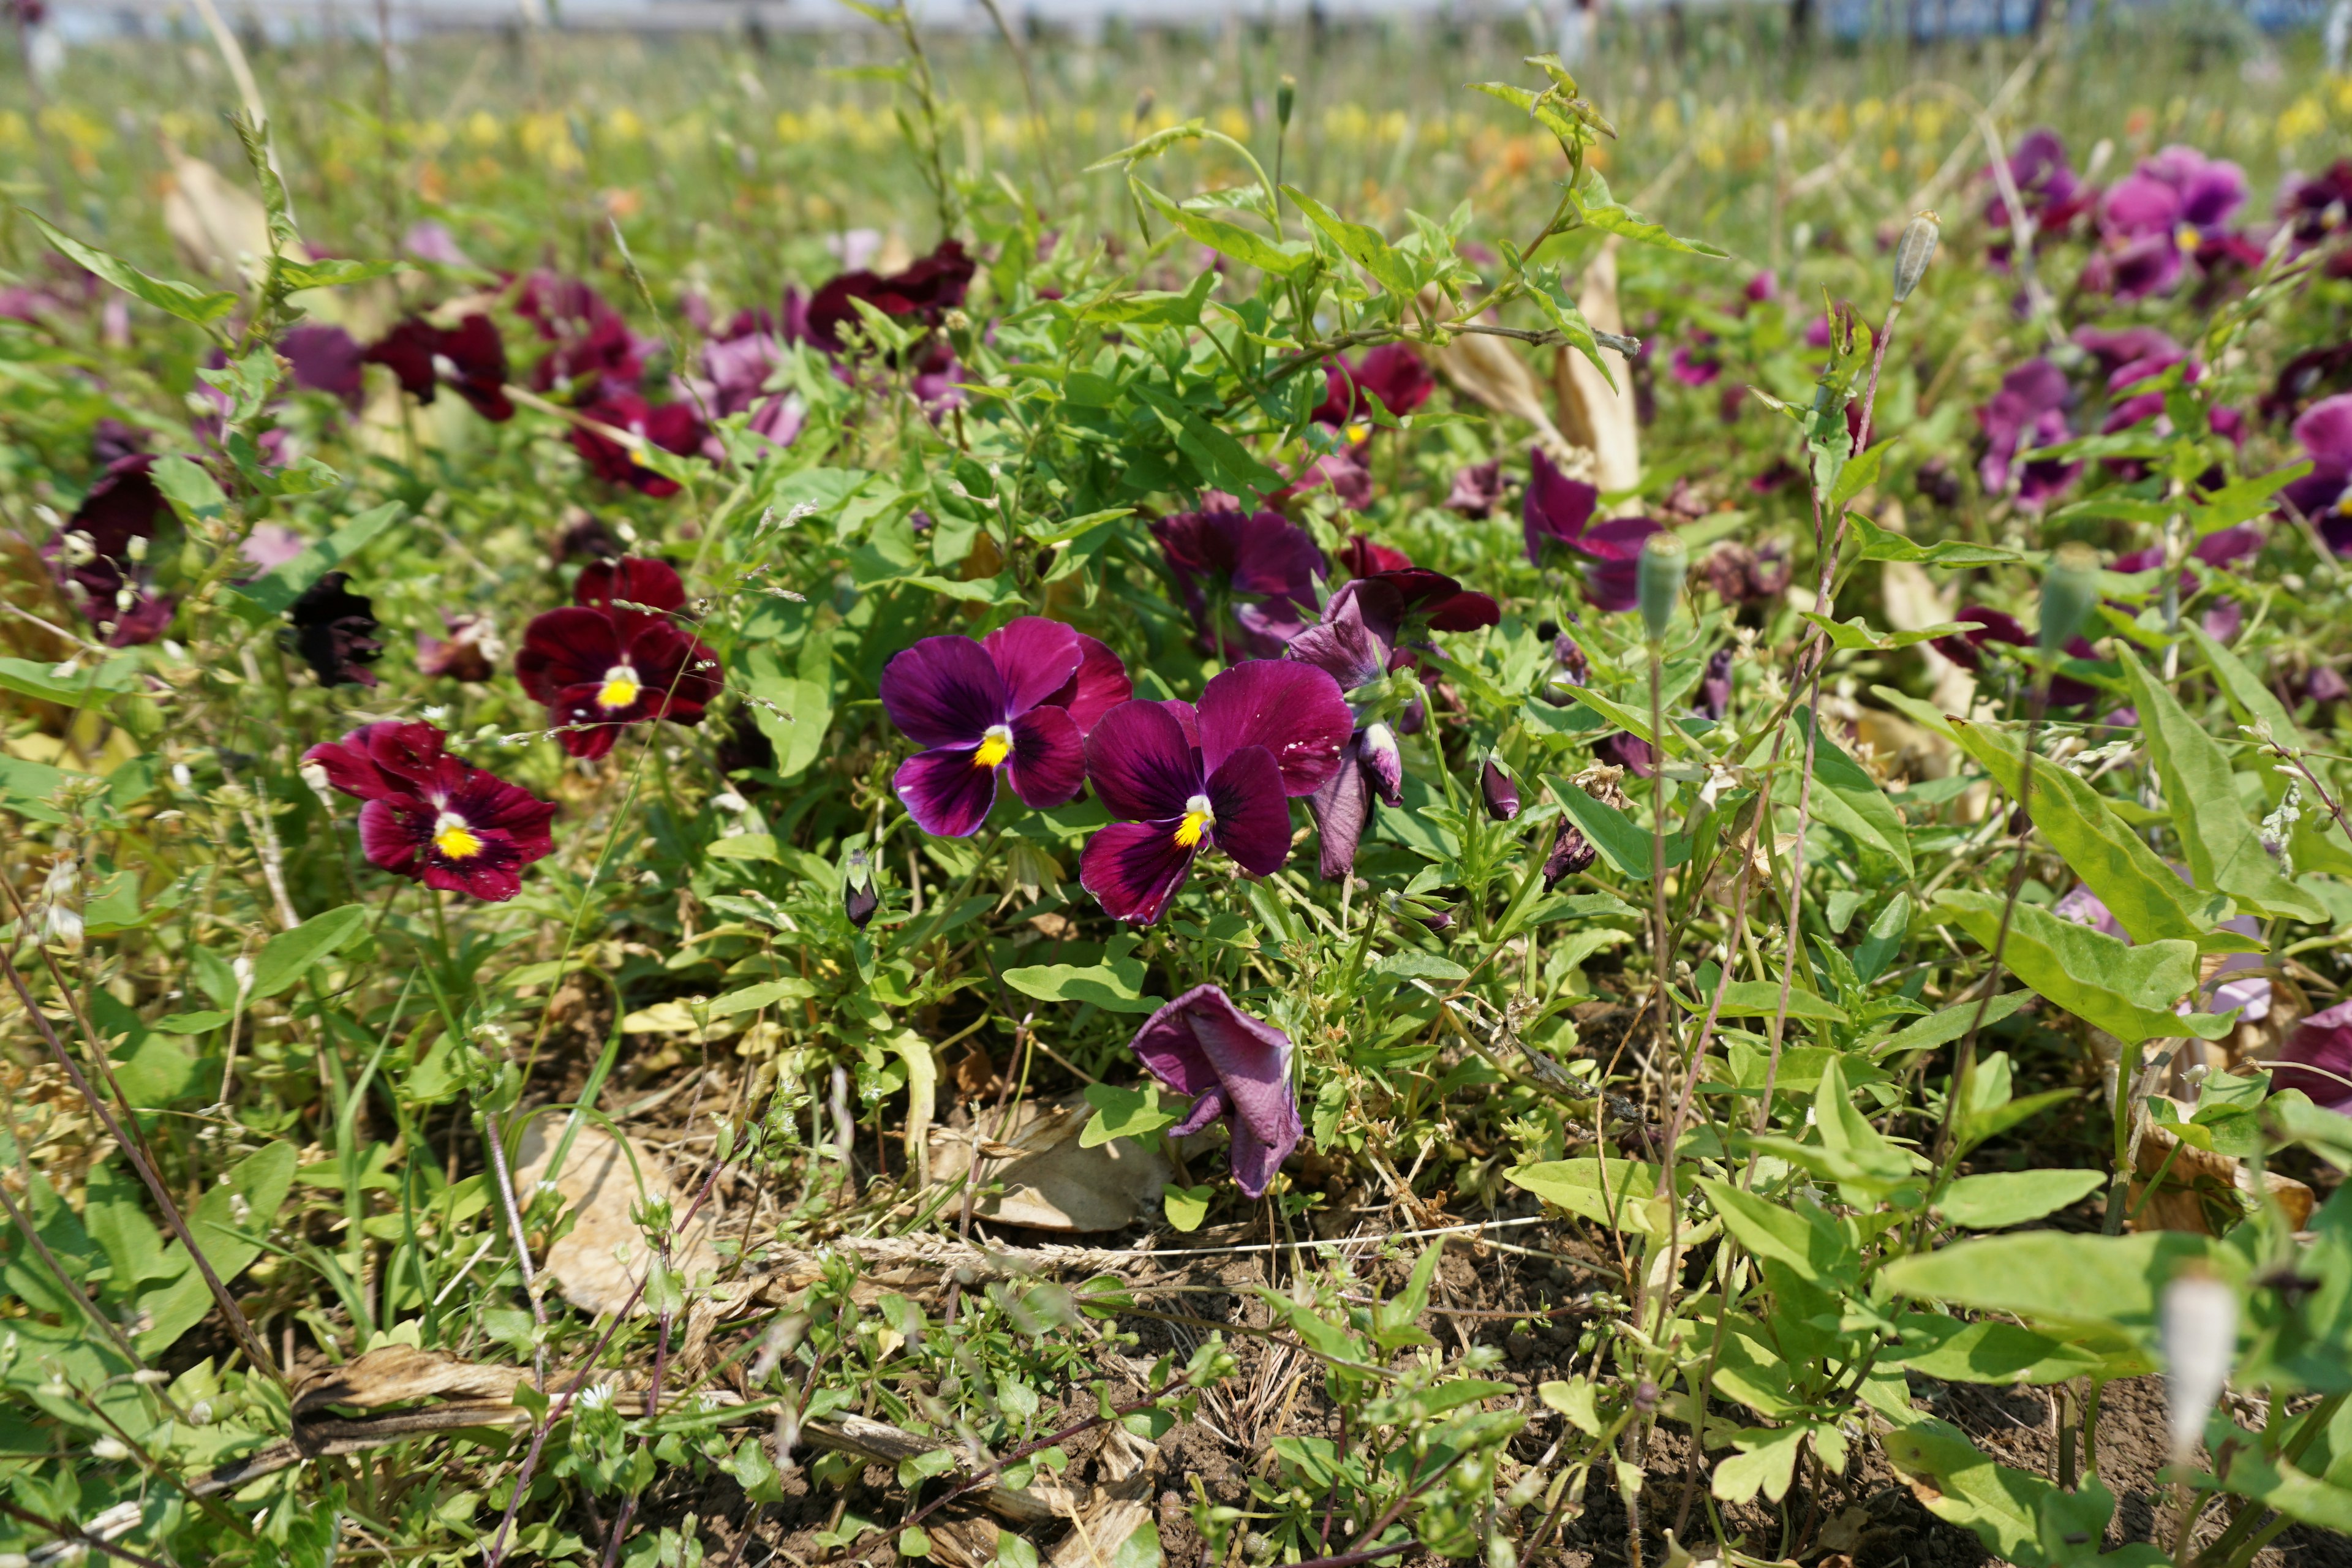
x: 1477, y: 490
x: 1559, y: 509
x: 2317, y: 1058
x: 1392, y: 374
x: 672, y: 426
x: 2174, y: 206
x: 1179, y: 778
x: 1255, y: 569
x: 1020, y: 699
x: 2028, y: 412
x: 1237, y: 1070
x: 2325, y: 494
x: 432, y: 817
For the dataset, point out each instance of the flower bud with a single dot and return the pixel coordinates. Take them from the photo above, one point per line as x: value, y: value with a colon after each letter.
x: 1914, y: 251
x: 1665, y: 560
x: 2069, y: 589
x: 1286, y: 98
x: 1500, y: 789
x: 859, y: 897
x: 1383, y: 763
x: 1571, y: 852
x: 2198, y: 1323
x: 136, y: 548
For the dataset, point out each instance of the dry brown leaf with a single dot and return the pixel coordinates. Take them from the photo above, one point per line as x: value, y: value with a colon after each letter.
x: 401, y: 1374
x: 219, y: 225
x: 2198, y: 1185
x: 1096, y: 1533
x: 1913, y: 603
x: 1051, y: 1184
x: 1593, y: 414
x: 598, y: 1265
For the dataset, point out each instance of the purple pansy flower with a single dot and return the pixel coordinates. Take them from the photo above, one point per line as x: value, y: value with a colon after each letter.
x: 325, y: 359
x: 1256, y: 569
x: 976, y: 707
x: 2325, y: 494
x: 1715, y: 686
x: 1559, y: 509
x: 2028, y: 412
x: 2317, y: 206
x: 1392, y: 372
x: 2045, y: 182
x: 1237, y: 1070
x: 2317, y: 1058
x: 1477, y: 490
x: 1177, y: 777
x: 99, y: 558
x: 736, y: 370
x: 2174, y: 206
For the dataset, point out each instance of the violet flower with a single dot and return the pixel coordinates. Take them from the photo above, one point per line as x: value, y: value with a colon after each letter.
x: 2325, y: 494
x: 1178, y: 778
x: 596, y: 353
x: 2045, y: 182
x: 324, y: 359
x: 432, y: 817
x: 1498, y: 789
x: 922, y: 292
x: 736, y: 372
x: 1392, y: 374
x: 2317, y: 206
x: 1559, y: 509
x: 1715, y: 685
x: 1477, y: 490
x: 2028, y: 412
x: 976, y: 707
x: 1255, y: 569
x: 100, y: 558
x: 2317, y: 1058
x: 1237, y: 1070
x: 1361, y: 557
x: 334, y: 630
x: 2174, y: 206
x: 673, y: 427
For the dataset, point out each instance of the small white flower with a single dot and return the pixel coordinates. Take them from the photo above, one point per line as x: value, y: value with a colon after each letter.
x: 200, y: 1413
x: 182, y: 778
x: 435, y: 713
x: 109, y: 1448
x: 241, y: 966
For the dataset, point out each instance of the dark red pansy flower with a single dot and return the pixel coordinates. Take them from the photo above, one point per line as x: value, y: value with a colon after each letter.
x: 99, y: 558
x: 1005, y: 701
x: 1558, y: 510
x: 469, y: 356
x: 615, y: 658
x: 334, y: 631
x: 1431, y: 601
x: 324, y: 359
x: 1477, y: 490
x: 1992, y: 627
x: 673, y: 428
x: 593, y: 345
x: 925, y: 291
x: 1392, y: 372
x: 1178, y: 778
x: 1248, y: 578
x: 433, y: 818
x: 1361, y: 557
x: 1237, y: 1070
x: 2325, y: 494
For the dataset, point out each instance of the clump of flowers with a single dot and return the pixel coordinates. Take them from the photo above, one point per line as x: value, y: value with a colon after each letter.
x: 432, y: 817
x: 614, y: 657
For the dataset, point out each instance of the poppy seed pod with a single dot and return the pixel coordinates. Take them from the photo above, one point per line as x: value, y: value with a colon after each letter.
x: 1286, y: 99
x: 2069, y: 589
x: 1501, y: 791
x: 1665, y: 560
x: 1914, y: 251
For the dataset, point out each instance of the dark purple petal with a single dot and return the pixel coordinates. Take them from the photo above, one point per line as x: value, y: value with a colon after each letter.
x: 1251, y: 1059
x: 1715, y: 685
x: 1211, y: 1105
x: 1477, y: 490
x: 2325, y: 432
x: 2319, y: 1059
x: 948, y: 792
x: 1555, y: 508
x: 1253, y: 814
x: 324, y: 359
x: 1100, y: 685
x: 1133, y: 868
x: 1342, y: 808
x: 1048, y: 765
x: 1294, y: 710
x: 1619, y: 539
x: 1035, y: 657
x: 943, y: 691
x: 1142, y: 763
x: 1349, y: 645
x: 1499, y: 790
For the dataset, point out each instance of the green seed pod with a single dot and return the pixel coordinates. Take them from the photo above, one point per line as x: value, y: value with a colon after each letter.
x: 1665, y: 560
x: 2069, y: 589
x: 1286, y: 99
x: 1914, y: 251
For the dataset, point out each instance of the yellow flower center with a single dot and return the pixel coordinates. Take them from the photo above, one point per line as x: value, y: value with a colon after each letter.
x: 453, y: 838
x: 2187, y: 238
x: 2344, y: 504
x: 994, y: 747
x: 1198, y: 819
x: 1360, y: 433
x: 620, y: 687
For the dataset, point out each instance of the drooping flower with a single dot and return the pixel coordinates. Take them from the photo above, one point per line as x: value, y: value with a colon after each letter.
x: 470, y: 357
x: 2028, y: 412
x: 1477, y: 490
x: 1558, y: 510
x: 1255, y: 569
x: 334, y: 631
x: 1571, y: 851
x: 1392, y: 374
x: 470, y: 652
x: 1498, y: 789
x: 1237, y: 1070
x: 672, y: 426
x: 100, y: 558
x: 2174, y: 207
x: 614, y: 657
x: 1177, y: 778
x: 976, y: 707
x: 1990, y: 626
x: 924, y: 292
x: 432, y: 817
x: 2325, y: 494
x: 324, y: 358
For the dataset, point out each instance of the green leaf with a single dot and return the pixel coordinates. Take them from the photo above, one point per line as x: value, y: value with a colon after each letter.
x: 766, y: 993
x: 1999, y: 1199
x: 1960, y: 1485
x: 30, y: 677
x: 1232, y: 241
x: 291, y: 955
x: 256, y: 1188
x: 1361, y: 245
x: 1151, y: 146
x: 191, y: 491
x: 200, y: 306
x: 2127, y: 990
x: 1602, y: 211
x: 1938, y: 1345
x: 1857, y: 635
x: 743, y: 846
x: 1761, y: 999
x: 1224, y: 460
x: 1618, y: 1193
x: 1141, y: 1549
x: 913, y: 1541
x: 272, y: 594
x: 1115, y: 986
x: 1574, y: 1399
x: 1185, y: 1207
x: 1122, y: 1113
x: 1613, y: 834
x: 2061, y: 1280
x: 2099, y: 846
x: 1422, y: 966
x: 2276, y: 1484
x: 2253, y: 701
x: 2225, y: 854
x: 1765, y: 1462
x: 1858, y: 475
x: 1950, y: 1025
x: 1154, y: 308
x: 293, y: 277
x: 1799, y: 1233
x: 1885, y: 544
x: 1848, y: 799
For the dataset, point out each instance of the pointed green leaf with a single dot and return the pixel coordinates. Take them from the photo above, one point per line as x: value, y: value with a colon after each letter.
x: 203, y: 307
x: 1363, y: 246
x: 1602, y: 212
x: 2127, y: 990
x: 1232, y: 241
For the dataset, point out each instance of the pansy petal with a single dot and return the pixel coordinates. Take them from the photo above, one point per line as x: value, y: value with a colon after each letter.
x: 943, y: 691
x: 633, y: 580
x: 1048, y: 765
x: 1342, y: 809
x: 1133, y: 868
x: 1035, y: 657
x: 1171, y: 1053
x: 947, y: 791
x: 1211, y: 1105
x: 1100, y: 685
x: 1253, y: 1062
x: 388, y: 835
x: 1353, y: 643
x: 1294, y: 710
x: 565, y: 647
x: 1142, y: 762
x: 2325, y: 432
x: 1251, y: 812
x: 1619, y: 539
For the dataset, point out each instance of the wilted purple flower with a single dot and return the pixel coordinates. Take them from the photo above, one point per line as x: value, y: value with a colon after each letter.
x: 324, y: 359
x: 471, y: 651
x: 936, y: 382
x: 1570, y: 851
x: 1392, y: 372
x: 2045, y: 182
x: 1556, y: 508
x: 99, y: 558
x: 2028, y: 412
x: 976, y: 707
x: 1477, y: 490
x: 1344, y: 471
x: 334, y: 631
x: 1237, y: 1068
x: 2086, y: 907
x: 2325, y: 494
x: 2174, y: 206
x: 1715, y: 685
x: 736, y: 370
x: 2319, y: 1058
x: 1177, y: 778
x: 1741, y: 576
x: 859, y: 897
x: 1624, y: 749
x: 1498, y: 789
x: 922, y: 292
x: 1256, y: 569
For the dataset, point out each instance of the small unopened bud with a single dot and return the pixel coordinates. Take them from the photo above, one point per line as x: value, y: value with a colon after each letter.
x: 859, y: 898
x: 1383, y: 763
x: 136, y: 548
x: 1665, y: 560
x: 2199, y: 1327
x: 78, y: 548
x: 1286, y: 99
x: 1914, y: 251
x: 2069, y: 589
x: 1500, y: 789
x: 109, y: 1448
x: 241, y: 967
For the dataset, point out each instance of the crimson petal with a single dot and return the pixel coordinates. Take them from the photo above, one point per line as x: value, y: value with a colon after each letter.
x: 1035, y: 657
x: 1342, y: 809
x: 946, y: 790
x: 1100, y: 685
x: 1253, y: 814
x: 1294, y: 710
x: 943, y: 691
x: 1142, y: 763
x: 565, y: 647
x: 1133, y: 868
